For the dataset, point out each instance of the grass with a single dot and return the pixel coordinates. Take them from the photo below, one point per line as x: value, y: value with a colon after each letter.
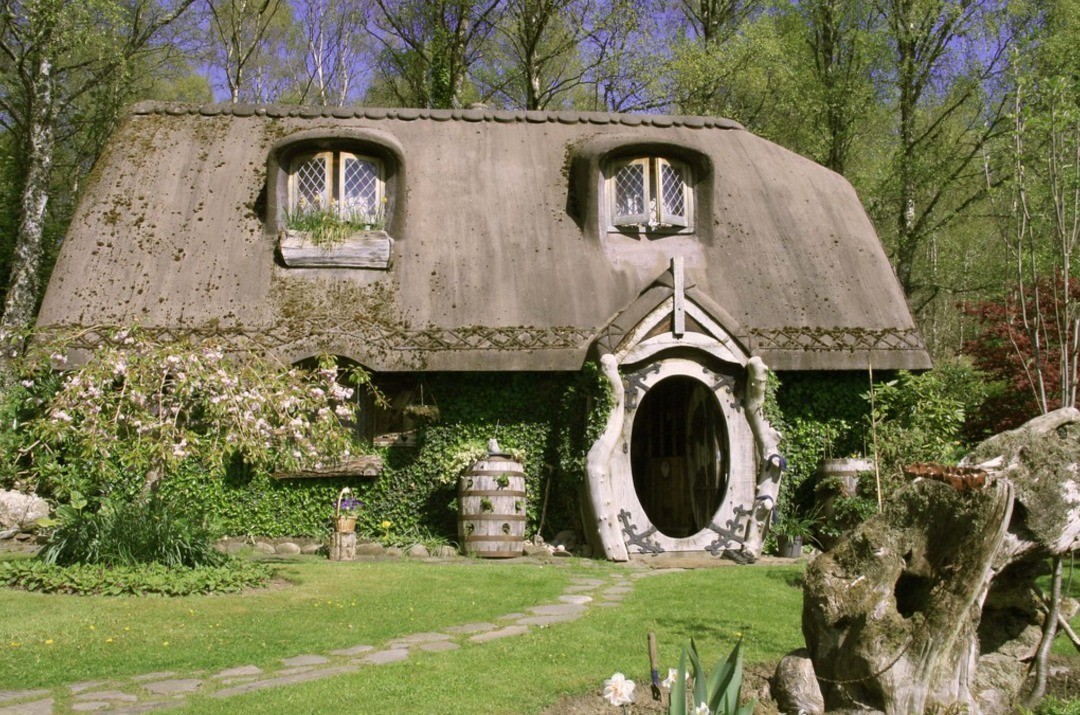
x: 332, y: 605
x: 46, y: 640
x: 527, y: 674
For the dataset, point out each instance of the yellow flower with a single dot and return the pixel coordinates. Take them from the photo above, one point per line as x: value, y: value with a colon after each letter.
x: 126, y: 628
x: 49, y: 641
x: 91, y: 626
x: 108, y: 640
x: 15, y: 645
x: 164, y: 643
x: 386, y: 524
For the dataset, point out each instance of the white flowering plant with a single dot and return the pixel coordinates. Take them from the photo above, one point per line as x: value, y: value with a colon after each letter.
x: 715, y: 693
x: 139, y: 410
x: 619, y: 691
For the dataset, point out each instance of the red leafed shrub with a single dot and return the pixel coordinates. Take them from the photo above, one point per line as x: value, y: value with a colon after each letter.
x: 1006, y: 351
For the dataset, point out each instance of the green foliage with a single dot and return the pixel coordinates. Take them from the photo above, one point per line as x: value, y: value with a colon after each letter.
x: 718, y: 690
x: 229, y: 576
x: 328, y: 226
x: 920, y: 417
x: 823, y: 416
x: 1054, y: 706
x: 129, y: 533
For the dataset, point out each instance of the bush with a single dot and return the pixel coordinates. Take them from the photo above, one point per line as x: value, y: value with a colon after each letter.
x: 140, y: 580
x: 143, y: 531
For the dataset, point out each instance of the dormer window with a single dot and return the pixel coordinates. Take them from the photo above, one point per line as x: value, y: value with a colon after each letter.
x: 337, y: 185
x: 648, y: 193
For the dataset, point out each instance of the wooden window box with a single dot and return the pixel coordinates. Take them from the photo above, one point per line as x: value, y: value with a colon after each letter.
x: 364, y: 249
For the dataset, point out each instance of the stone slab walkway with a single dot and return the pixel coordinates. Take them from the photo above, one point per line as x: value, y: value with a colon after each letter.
x: 149, y: 692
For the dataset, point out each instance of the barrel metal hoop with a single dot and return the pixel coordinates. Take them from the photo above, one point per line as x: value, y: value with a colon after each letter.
x: 490, y: 493
x: 493, y: 517
x: 495, y: 473
x: 494, y: 537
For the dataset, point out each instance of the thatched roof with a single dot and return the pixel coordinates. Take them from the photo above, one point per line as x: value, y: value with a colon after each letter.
x: 499, y: 261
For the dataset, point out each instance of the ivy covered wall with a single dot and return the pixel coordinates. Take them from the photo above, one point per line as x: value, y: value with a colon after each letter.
x: 549, y: 419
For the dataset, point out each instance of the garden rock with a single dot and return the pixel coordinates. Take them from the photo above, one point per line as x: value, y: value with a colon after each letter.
x: 795, y: 686
x: 287, y: 547
x: 567, y: 539
x: 370, y: 549
x: 311, y: 549
x: 418, y: 551
x: 932, y: 605
x: 21, y: 511
x: 444, y: 552
x: 264, y: 547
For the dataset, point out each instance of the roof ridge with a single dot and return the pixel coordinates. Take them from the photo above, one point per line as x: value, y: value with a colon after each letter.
x: 280, y: 111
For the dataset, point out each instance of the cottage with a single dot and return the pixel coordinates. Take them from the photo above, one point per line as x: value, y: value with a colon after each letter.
x: 681, y: 254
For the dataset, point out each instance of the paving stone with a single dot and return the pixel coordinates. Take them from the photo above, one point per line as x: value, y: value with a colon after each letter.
x: 619, y: 590
x: 154, y: 676
x: 239, y: 672
x: 587, y: 582
x: 472, y: 628
x: 294, y: 671
x: 557, y: 609
x: 355, y: 650
x: 87, y: 685
x: 608, y: 604
x: 112, y: 695
x: 149, y: 707
x: 306, y: 677
x: 439, y: 646
x: 548, y: 620
x: 301, y: 660
x: 614, y: 596
x: 176, y: 685
x: 501, y: 633
x: 6, y: 695
x: 418, y: 639
x: 575, y: 599
x: 579, y: 589
x: 512, y: 616
x: 383, y: 657
x: 37, y: 707
x: 90, y: 706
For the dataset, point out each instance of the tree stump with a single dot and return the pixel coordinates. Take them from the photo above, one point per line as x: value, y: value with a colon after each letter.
x: 932, y: 603
x: 343, y: 546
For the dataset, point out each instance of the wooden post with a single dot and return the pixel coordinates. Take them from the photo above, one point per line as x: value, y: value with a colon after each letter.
x: 343, y: 546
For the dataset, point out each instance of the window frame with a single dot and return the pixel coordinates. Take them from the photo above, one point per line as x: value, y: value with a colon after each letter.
x: 656, y: 218
x: 334, y: 161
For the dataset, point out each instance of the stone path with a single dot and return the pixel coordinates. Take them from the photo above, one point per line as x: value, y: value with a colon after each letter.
x: 164, y: 690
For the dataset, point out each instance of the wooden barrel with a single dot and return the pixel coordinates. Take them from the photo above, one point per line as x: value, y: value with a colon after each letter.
x: 491, y: 503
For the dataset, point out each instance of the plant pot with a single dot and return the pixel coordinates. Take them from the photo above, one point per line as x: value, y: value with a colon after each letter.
x: 345, y: 524
x: 790, y: 547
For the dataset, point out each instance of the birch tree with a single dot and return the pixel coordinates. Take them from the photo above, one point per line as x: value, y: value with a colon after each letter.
x: 52, y: 53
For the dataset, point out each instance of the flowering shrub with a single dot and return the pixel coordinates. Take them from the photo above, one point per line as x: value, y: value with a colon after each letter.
x: 140, y: 411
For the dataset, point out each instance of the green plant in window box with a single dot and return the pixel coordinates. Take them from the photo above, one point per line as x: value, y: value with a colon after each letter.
x: 327, y: 226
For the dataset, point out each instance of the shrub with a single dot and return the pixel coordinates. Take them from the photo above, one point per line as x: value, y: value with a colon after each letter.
x: 122, y: 533
x: 139, y: 580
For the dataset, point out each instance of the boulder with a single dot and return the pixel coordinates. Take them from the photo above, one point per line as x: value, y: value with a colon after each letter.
x: 312, y: 548
x: 418, y: 551
x: 445, y: 551
x: 795, y: 687
x: 287, y: 547
x: 21, y: 511
x: 932, y: 604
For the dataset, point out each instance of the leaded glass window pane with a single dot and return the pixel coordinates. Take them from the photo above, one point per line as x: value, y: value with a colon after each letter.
x: 360, y: 189
x: 309, y: 177
x: 672, y: 195
x: 629, y: 197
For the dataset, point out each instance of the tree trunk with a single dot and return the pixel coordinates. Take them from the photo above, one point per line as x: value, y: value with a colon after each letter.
x: 21, y: 301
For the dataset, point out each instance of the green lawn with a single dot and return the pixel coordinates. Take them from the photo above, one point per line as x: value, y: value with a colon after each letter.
x: 47, y: 640
x: 51, y: 640
x: 527, y: 674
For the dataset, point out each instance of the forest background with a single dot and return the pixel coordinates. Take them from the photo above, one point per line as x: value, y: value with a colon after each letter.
x: 958, y: 121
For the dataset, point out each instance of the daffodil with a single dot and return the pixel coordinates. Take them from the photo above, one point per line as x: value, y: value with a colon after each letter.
x: 618, y: 690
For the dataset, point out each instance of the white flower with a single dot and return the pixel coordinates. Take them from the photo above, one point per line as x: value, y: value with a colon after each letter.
x: 59, y: 358
x: 61, y: 416
x: 28, y: 384
x: 701, y: 709
x: 173, y: 359
x: 618, y: 690
x: 672, y: 676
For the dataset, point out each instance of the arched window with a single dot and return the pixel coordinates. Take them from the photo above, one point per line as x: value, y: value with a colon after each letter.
x: 338, y: 184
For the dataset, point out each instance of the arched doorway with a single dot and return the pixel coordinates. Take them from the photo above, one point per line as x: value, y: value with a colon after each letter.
x: 679, y: 455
